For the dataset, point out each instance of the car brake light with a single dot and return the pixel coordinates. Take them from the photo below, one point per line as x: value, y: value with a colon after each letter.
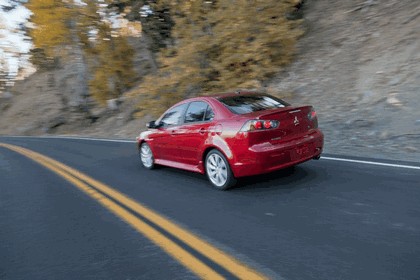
x: 257, y: 125
x: 267, y: 124
x: 312, y: 114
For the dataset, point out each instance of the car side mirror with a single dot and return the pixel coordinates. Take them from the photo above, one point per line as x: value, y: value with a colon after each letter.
x: 151, y: 124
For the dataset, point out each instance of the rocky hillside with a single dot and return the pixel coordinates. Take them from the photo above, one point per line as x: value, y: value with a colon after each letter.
x: 358, y: 64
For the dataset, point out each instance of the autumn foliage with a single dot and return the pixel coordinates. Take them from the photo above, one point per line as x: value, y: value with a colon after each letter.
x: 62, y: 29
x: 220, y: 45
x: 200, y: 46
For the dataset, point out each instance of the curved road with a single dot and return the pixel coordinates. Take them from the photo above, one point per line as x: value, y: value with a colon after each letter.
x: 326, y: 219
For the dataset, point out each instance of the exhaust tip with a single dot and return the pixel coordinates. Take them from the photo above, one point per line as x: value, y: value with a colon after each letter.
x: 318, y: 156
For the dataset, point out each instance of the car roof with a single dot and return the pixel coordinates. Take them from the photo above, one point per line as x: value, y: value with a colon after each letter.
x: 228, y: 94
x: 216, y: 96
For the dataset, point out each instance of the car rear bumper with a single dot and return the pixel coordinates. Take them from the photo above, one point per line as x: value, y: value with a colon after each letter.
x: 266, y: 157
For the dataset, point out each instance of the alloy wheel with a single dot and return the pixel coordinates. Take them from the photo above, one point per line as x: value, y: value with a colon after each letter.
x: 217, y: 170
x: 146, y: 156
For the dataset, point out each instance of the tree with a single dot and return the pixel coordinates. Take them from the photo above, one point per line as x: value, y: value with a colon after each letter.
x: 65, y: 29
x: 221, y: 45
x: 109, y: 55
x: 155, y: 17
x: 112, y: 68
x: 51, y: 25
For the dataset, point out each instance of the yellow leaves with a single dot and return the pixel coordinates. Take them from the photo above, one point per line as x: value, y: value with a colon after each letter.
x: 99, y: 87
x: 113, y: 69
x: 222, y: 45
x: 63, y: 26
x: 219, y: 45
x: 132, y: 29
x: 50, y: 18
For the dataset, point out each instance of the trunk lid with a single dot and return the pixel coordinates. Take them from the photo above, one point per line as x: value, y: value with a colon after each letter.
x: 294, y: 122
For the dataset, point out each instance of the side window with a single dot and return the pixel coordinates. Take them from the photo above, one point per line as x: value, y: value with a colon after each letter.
x: 196, y: 112
x: 209, y: 114
x: 173, y: 116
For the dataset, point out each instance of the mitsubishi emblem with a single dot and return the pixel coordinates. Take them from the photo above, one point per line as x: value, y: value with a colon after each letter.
x: 296, y: 121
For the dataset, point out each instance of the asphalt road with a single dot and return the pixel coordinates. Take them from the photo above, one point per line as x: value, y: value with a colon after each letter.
x: 326, y: 219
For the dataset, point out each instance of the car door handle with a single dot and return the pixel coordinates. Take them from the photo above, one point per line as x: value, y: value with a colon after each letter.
x: 202, y: 130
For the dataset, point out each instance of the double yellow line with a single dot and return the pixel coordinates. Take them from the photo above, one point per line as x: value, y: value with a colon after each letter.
x: 109, y: 197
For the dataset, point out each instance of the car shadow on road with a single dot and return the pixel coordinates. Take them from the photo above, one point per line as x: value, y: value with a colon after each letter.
x: 288, y: 179
x: 292, y: 178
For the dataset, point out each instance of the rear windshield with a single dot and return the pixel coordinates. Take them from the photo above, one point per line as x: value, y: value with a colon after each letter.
x: 243, y: 104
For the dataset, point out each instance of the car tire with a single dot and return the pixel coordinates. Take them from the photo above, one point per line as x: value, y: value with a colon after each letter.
x: 146, y: 156
x: 218, y: 171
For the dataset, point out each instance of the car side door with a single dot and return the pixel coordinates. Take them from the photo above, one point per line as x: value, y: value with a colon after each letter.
x: 195, y: 132
x: 168, y: 125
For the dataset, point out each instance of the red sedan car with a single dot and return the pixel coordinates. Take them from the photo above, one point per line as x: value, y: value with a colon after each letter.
x: 231, y: 135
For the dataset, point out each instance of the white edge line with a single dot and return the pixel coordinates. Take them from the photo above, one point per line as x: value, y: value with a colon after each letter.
x: 372, y: 163
x: 75, y: 138
x: 132, y: 141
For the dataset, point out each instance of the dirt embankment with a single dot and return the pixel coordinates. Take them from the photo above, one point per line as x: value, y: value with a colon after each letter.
x: 358, y: 64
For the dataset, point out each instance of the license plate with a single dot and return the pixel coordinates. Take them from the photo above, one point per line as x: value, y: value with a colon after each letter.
x: 302, y: 150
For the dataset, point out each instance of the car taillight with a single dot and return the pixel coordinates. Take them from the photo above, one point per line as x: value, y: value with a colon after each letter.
x: 312, y: 117
x: 258, y: 125
x: 312, y: 114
